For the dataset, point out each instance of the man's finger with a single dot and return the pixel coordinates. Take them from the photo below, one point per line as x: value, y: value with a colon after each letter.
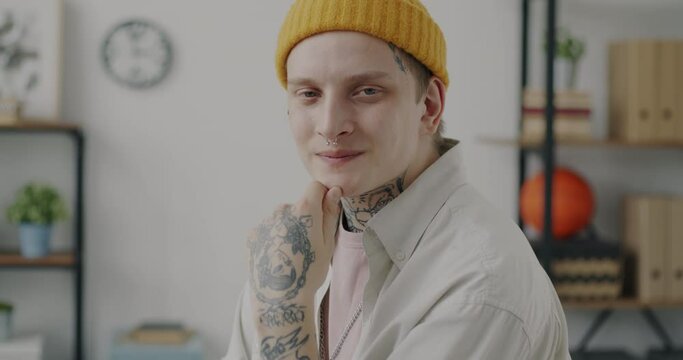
x: 331, y: 203
x: 312, y: 199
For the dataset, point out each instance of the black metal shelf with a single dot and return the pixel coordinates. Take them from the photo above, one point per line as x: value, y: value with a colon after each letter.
x: 546, y: 149
x: 72, y: 261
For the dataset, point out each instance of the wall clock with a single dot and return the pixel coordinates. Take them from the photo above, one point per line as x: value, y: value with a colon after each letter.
x: 137, y: 53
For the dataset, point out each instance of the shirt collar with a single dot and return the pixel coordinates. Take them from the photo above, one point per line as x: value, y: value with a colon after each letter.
x: 401, y: 223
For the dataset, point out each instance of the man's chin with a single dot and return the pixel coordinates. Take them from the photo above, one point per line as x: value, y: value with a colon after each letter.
x: 349, y: 188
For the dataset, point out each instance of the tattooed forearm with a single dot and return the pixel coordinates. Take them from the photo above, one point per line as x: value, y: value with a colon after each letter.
x: 358, y: 210
x: 282, y: 315
x: 397, y: 57
x: 280, y: 256
x: 284, y: 276
x: 281, y: 348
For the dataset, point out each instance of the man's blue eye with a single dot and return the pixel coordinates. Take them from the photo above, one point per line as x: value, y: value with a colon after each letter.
x: 370, y: 91
x: 309, y: 94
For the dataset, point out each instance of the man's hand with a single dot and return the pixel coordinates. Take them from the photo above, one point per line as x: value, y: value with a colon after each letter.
x: 290, y: 254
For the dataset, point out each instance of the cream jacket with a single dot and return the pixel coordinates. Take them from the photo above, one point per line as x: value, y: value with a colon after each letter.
x: 450, y: 278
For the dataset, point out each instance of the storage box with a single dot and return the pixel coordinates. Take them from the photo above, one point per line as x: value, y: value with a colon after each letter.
x: 22, y: 348
x: 124, y: 349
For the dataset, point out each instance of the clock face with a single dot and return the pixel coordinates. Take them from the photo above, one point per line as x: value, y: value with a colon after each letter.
x: 138, y: 54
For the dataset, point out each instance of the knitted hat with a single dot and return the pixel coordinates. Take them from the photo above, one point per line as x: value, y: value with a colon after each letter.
x: 404, y: 23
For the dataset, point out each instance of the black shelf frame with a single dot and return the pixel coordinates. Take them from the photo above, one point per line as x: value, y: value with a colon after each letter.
x: 547, y: 152
x: 78, y: 138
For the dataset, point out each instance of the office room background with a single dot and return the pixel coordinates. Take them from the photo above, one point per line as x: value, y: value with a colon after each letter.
x: 177, y: 173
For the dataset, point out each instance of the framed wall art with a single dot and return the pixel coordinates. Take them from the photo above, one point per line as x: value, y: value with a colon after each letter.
x: 31, y: 58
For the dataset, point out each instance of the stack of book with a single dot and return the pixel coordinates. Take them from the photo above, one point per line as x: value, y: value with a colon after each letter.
x: 653, y: 231
x: 165, y: 333
x: 572, y: 119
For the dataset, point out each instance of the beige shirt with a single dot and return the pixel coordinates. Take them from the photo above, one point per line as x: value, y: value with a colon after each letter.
x: 450, y: 278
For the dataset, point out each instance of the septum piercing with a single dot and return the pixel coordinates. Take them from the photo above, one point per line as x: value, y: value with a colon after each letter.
x: 333, y: 142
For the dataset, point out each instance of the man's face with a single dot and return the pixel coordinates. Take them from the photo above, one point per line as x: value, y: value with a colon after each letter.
x: 350, y: 86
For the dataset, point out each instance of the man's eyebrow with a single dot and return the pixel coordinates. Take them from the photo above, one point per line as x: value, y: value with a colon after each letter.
x: 366, y: 76
x: 370, y: 75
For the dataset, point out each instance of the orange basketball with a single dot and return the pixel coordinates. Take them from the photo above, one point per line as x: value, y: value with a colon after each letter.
x: 573, y: 202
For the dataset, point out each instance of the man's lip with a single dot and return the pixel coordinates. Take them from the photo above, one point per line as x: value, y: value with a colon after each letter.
x: 337, y: 154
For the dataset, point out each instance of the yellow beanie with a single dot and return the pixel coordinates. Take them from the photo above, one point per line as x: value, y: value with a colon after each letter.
x: 404, y: 23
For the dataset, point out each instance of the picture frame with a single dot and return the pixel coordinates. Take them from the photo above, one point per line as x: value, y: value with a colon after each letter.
x: 31, y: 56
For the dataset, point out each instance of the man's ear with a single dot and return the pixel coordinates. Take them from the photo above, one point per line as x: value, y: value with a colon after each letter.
x: 434, y: 101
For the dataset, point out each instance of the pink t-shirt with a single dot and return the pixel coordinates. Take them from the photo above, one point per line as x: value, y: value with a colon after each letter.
x: 349, y: 276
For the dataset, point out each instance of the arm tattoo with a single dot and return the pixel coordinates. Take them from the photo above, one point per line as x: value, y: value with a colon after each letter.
x: 397, y: 57
x: 281, y: 253
x: 360, y: 209
x: 282, y: 315
x: 282, y: 347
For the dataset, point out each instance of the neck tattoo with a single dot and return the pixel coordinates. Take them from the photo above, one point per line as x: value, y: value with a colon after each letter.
x: 358, y: 210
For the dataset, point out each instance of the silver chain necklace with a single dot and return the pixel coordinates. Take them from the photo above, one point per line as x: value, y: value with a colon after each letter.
x: 347, y: 330
x: 345, y: 333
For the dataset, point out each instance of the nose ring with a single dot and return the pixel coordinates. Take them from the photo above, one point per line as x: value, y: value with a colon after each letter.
x: 333, y: 142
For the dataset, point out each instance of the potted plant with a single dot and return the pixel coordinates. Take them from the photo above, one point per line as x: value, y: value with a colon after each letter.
x: 5, y: 320
x: 568, y: 51
x: 36, y: 208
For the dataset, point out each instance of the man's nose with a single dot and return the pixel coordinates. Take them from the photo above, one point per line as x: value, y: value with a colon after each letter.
x: 336, y: 119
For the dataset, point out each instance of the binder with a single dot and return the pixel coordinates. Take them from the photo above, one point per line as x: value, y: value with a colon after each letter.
x: 675, y: 250
x: 646, y: 91
x: 667, y: 115
x: 642, y: 98
x: 618, y: 91
x: 679, y: 91
x: 645, y: 218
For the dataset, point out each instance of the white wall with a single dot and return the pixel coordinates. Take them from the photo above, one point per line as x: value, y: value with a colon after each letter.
x: 176, y: 175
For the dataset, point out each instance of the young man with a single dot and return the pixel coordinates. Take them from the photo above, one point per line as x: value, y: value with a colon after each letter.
x: 389, y: 254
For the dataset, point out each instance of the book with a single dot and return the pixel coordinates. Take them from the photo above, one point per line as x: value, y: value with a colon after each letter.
x: 564, y: 99
x: 533, y: 129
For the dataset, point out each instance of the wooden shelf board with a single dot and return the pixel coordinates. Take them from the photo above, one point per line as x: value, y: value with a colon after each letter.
x: 623, y: 303
x: 586, y: 143
x: 638, y: 4
x: 56, y: 260
x: 35, y: 124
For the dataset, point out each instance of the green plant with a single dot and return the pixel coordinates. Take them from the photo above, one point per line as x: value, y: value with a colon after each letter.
x: 570, y: 48
x: 5, y: 307
x: 37, y: 204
